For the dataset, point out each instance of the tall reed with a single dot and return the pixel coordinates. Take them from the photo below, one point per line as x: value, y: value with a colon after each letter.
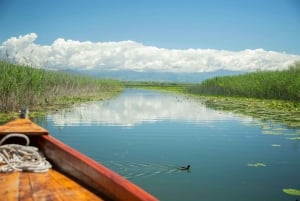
x: 25, y: 85
x: 284, y: 85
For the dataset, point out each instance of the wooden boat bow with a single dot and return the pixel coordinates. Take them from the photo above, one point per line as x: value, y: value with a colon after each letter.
x: 24, y: 126
x: 89, y: 179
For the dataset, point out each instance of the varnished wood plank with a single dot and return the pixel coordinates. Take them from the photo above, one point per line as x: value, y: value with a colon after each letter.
x: 72, y: 190
x: 25, y: 190
x: 24, y: 126
x: 9, y: 186
x: 49, y: 186
x: 53, y: 185
x: 44, y: 187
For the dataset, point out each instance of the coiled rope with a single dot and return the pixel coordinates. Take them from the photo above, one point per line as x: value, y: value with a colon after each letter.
x: 15, y: 157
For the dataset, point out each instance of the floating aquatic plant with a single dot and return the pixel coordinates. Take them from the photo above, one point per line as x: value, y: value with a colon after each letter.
x: 293, y: 138
x: 291, y: 191
x: 257, y: 165
x: 271, y: 132
x: 257, y: 110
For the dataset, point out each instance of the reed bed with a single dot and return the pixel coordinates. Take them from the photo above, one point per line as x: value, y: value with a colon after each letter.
x: 282, y: 85
x: 28, y: 86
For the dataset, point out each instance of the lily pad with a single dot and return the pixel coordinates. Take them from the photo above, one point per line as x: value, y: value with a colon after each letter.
x: 293, y: 138
x: 270, y: 110
x: 271, y: 132
x: 291, y: 191
x: 257, y: 165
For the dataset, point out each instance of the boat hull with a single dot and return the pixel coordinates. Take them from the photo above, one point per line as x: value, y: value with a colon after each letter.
x: 87, y: 172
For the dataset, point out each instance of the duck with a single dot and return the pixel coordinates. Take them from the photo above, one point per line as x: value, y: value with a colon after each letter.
x: 185, y: 168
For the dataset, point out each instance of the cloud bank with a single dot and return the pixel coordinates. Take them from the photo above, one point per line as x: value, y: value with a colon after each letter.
x: 131, y: 55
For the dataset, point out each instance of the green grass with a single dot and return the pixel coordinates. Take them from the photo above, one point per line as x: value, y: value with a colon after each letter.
x: 36, y: 88
x: 161, y: 86
x: 269, y: 96
x: 281, y: 85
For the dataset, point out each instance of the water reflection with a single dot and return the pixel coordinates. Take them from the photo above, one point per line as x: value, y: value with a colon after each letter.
x: 133, y: 107
x: 228, y: 153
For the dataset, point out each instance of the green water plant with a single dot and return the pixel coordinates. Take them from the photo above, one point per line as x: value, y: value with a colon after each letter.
x: 293, y: 138
x: 271, y: 132
x: 285, y: 112
x: 291, y: 191
x: 256, y: 165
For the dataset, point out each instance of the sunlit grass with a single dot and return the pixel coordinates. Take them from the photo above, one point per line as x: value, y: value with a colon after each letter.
x: 286, y: 112
x: 283, y: 85
x: 36, y: 88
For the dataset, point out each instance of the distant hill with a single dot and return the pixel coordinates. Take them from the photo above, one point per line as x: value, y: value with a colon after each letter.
x: 156, y: 76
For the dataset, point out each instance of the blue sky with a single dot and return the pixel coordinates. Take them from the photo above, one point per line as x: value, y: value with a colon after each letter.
x: 231, y: 25
x: 217, y: 24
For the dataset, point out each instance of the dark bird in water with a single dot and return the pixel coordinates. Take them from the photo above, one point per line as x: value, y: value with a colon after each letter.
x: 184, y: 168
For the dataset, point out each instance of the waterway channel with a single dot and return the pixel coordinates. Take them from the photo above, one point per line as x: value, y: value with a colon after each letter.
x: 146, y: 136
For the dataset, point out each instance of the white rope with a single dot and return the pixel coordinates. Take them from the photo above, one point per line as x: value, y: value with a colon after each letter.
x: 14, y: 157
x: 15, y: 135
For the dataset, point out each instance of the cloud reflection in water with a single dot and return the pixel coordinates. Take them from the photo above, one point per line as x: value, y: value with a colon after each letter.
x: 136, y: 106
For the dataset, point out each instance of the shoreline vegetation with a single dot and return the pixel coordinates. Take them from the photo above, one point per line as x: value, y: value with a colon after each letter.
x: 279, y: 85
x: 280, y: 111
x: 44, y: 90
x: 265, y: 95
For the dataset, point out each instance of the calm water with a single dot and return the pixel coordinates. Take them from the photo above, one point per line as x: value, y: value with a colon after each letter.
x: 145, y: 136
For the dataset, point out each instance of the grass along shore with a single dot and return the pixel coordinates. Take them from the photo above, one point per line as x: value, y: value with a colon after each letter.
x: 280, y: 85
x: 269, y: 96
x: 42, y: 90
x: 266, y: 95
x: 280, y: 111
x: 276, y: 100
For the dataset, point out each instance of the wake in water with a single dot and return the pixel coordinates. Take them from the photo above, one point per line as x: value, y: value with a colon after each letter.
x: 137, y: 170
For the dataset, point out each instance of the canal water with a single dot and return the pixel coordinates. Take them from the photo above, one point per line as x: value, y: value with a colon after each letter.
x: 146, y: 136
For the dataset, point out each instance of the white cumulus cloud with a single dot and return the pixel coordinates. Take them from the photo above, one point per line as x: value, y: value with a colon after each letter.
x: 131, y: 55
